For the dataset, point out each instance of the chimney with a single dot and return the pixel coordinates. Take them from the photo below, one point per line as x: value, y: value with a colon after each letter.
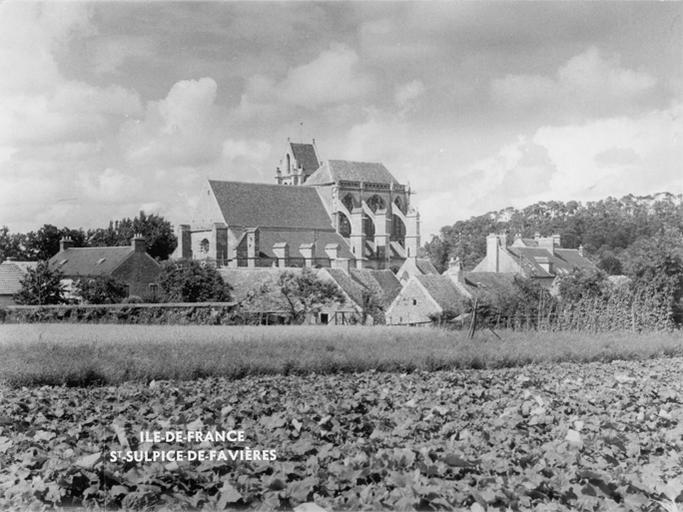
x: 548, y: 243
x: 492, y: 255
x: 138, y: 243
x: 307, y: 251
x: 281, y: 251
x: 65, y: 243
x: 455, y: 269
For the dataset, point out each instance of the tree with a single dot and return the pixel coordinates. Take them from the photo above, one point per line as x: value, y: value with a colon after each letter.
x: 305, y: 293
x: 101, y: 290
x: 582, y: 283
x: 41, y: 285
x: 611, y: 264
x: 192, y: 281
x: 158, y: 232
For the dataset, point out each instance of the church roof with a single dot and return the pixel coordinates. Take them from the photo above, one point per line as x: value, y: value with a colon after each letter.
x: 305, y: 156
x: 265, y: 205
x: 343, y: 170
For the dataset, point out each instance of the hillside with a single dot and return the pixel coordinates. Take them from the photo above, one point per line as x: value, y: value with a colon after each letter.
x: 607, y: 229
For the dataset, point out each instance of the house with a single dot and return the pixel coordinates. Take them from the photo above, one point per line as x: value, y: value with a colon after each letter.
x: 541, y: 258
x: 317, y: 212
x: 257, y: 292
x: 129, y: 264
x: 415, y: 267
x: 426, y: 297
x: 382, y: 283
x: 11, y: 274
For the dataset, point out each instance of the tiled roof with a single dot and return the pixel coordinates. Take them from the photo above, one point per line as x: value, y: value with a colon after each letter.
x: 344, y: 281
x: 425, y: 266
x: 245, y: 280
x: 305, y: 156
x: 11, y: 275
x: 489, y: 285
x: 442, y: 290
x: 562, y: 261
x: 294, y: 238
x: 382, y: 282
x: 264, y: 205
x: 90, y: 261
x: 337, y: 170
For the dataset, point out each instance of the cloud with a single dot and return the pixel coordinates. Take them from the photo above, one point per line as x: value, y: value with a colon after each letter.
x: 110, y: 54
x: 406, y: 93
x: 590, y: 83
x: 331, y: 78
x: 182, y: 129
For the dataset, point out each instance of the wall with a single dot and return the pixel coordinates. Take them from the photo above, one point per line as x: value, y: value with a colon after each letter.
x: 403, y: 311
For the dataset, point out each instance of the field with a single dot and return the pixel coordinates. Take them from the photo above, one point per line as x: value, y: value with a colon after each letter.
x: 78, y: 354
x: 554, y: 422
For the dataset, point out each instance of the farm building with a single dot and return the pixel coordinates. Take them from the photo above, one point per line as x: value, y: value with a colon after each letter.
x: 541, y: 258
x: 427, y: 297
x: 11, y: 274
x: 316, y: 213
x: 129, y: 264
x: 415, y: 267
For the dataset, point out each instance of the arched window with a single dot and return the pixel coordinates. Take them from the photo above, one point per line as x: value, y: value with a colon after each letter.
x: 369, y: 229
x: 344, y: 227
x: 204, y: 246
x: 376, y: 203
x: 348, y: 202
x: 398, y: 229
x: 398, y: 203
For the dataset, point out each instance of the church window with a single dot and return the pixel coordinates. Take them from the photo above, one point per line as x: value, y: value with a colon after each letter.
x: 348, y: 202
x: 398, y: 230
x: 414, y: 302
x: 398, y: 203
x: 344, y: 227
x: 376, y: 203
x: 369, y: 229
x: 204, y: 246
x: 289, y: 164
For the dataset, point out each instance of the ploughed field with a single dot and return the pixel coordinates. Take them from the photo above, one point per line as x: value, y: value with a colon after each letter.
x: 549, y: 436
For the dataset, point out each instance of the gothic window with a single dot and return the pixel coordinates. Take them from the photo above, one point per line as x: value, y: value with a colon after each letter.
x: 369, y: 229
x: 289, y: 164
x: 398, y: 203
x: 376, y: 203
x: 348, y: 202
x: 344, y: 226
x: 398, y: 230
x: 204, y: 246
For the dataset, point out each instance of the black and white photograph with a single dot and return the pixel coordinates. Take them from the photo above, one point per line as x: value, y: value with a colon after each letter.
x: 341, y: 256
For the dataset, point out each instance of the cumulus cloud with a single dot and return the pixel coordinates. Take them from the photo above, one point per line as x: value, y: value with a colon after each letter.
x: 331, y: 78
x: 590, y: 82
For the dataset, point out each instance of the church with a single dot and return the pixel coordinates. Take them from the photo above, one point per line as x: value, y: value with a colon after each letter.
x: 333, y: 213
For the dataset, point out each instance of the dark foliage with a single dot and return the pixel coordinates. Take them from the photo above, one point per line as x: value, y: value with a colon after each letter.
x: 101, y: 290
x: 40, y: 286
x: 158, y: 233
x: 37, y: 245
x: 192, y: 281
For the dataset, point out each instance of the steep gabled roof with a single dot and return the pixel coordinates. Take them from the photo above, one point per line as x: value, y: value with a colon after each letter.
x: 11, y: 274
x: 305, y: 156
x: 425, y: 266
x: 348, y: 285
x: 442, y: 290
x: 90, y: 261
x: 265, y: 205
x: 382, y: 282
x: 333, y: 171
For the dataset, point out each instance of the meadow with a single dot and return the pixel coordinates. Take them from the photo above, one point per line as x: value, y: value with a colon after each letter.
x: 105, y: 354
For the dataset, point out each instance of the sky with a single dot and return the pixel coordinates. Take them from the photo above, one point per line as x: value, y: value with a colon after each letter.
x: 110, y: 108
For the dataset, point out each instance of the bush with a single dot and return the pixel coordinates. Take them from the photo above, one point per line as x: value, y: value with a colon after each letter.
x: 192, y: 281
x: 40, y: 286
x: 101, y: 290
